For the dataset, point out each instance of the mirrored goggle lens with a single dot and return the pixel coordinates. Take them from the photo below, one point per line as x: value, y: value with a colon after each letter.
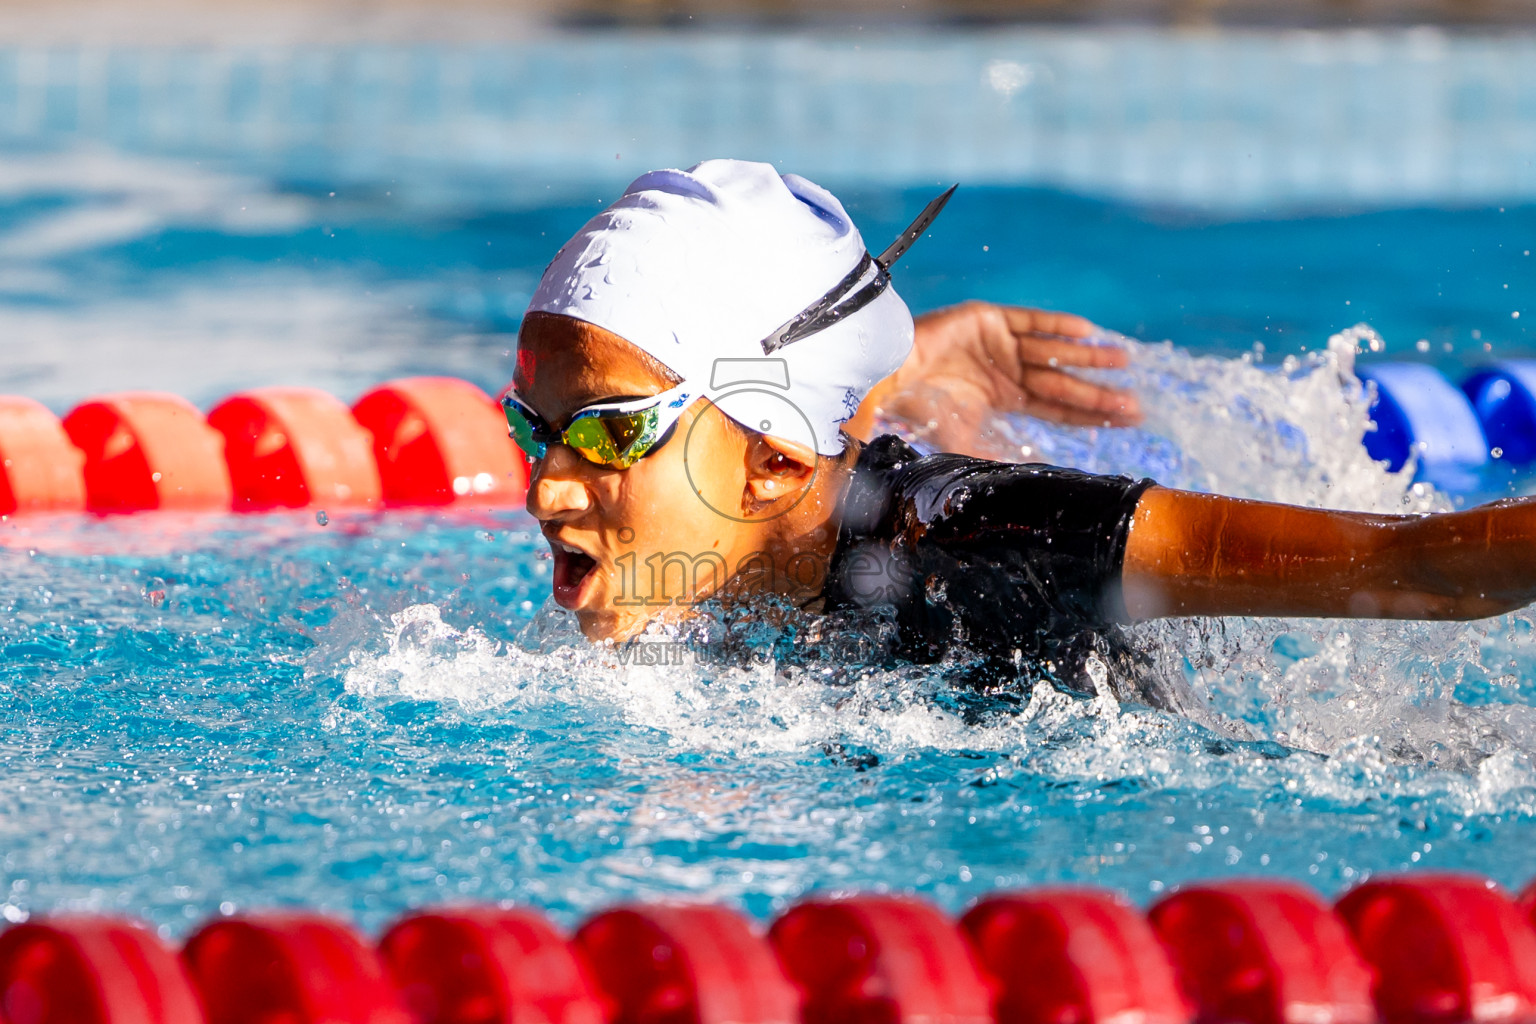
x: 615, y: 439
x: 522, y: 430
x: 592, y: 440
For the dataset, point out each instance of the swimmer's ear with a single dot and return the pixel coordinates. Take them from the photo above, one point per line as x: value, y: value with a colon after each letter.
x: 776, y: 469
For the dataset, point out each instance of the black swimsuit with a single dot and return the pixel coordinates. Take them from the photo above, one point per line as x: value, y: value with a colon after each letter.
x: 1019, y: 564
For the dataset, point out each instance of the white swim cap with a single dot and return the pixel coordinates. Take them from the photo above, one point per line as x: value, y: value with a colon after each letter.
x: 700, y: 267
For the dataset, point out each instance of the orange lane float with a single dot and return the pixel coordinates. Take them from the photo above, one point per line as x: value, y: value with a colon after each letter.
x: 147, y: 450
x: 442, y: 441
x: 40, y: 469
x: 295, y: 447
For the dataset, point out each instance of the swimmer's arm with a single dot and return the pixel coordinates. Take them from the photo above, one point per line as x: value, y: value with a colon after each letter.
x: 1201, y: 554
x: 978, y: 358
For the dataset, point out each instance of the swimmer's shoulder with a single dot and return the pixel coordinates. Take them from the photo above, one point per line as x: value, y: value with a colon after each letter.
x: 1010, y: 560
x: 895, y: 488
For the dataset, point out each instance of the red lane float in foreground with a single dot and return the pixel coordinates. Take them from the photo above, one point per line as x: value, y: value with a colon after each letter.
x: 146, y: 450
x: 442, y: 441
x: 685, y: 965
x: 1424, y: 949
x: 1527, y: 902
x: 482, y: 966
x: 1072, y: 956
x: 85, y: 970
x: 1263, y: 952
x: 298, y: 969
x: 40, y: 469
x: 1445, y: 947
x: 295, y: 447
x: 879, y: 958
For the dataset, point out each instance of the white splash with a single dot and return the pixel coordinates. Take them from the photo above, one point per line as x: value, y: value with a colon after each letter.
x: 1288, y: 433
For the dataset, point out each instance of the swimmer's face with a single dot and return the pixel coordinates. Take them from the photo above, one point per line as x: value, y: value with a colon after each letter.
x: 636, y: 543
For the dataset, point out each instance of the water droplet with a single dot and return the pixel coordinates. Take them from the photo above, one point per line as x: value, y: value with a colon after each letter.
x: 322, y: 518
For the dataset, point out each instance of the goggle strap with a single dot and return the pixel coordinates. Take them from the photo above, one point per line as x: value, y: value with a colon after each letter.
x: 897, y: 249
x: 792, y: 331
x: 664, y: 398
x: 845, y: 308
x: 842, y: 300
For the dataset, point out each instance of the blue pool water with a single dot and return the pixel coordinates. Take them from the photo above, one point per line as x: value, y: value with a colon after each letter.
x: 221, y: 713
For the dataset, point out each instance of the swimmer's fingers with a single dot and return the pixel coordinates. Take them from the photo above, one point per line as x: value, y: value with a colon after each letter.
x: 1035, y: 350
x: 1062, y: 398
x: 1022, y: 321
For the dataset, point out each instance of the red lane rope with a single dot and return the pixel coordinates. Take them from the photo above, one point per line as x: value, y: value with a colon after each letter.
x: 421, y: 441
x: 1427, y: 948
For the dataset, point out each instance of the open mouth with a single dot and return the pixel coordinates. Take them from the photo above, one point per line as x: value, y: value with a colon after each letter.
x: 573, y: 567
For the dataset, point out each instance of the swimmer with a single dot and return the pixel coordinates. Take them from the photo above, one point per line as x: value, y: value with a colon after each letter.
x: 698, y: 378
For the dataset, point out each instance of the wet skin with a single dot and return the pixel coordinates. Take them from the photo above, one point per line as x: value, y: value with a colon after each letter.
x: 635, y: 544
x: 1204, y: 554
x: 971, y: 362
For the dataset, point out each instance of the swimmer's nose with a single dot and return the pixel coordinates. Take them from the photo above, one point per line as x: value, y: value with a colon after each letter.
x: 557, y: 491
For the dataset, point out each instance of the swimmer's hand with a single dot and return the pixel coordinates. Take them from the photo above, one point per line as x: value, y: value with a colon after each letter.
x: 972, y: 361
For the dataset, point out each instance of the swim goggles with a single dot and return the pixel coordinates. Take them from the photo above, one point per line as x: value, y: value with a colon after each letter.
x: 613, y: 434
x: 619, y: 434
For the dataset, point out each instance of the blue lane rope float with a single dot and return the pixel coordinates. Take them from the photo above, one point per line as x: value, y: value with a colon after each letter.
x: 1504, y: 398
x: 1456, y: 434
x: 1418, y: 412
